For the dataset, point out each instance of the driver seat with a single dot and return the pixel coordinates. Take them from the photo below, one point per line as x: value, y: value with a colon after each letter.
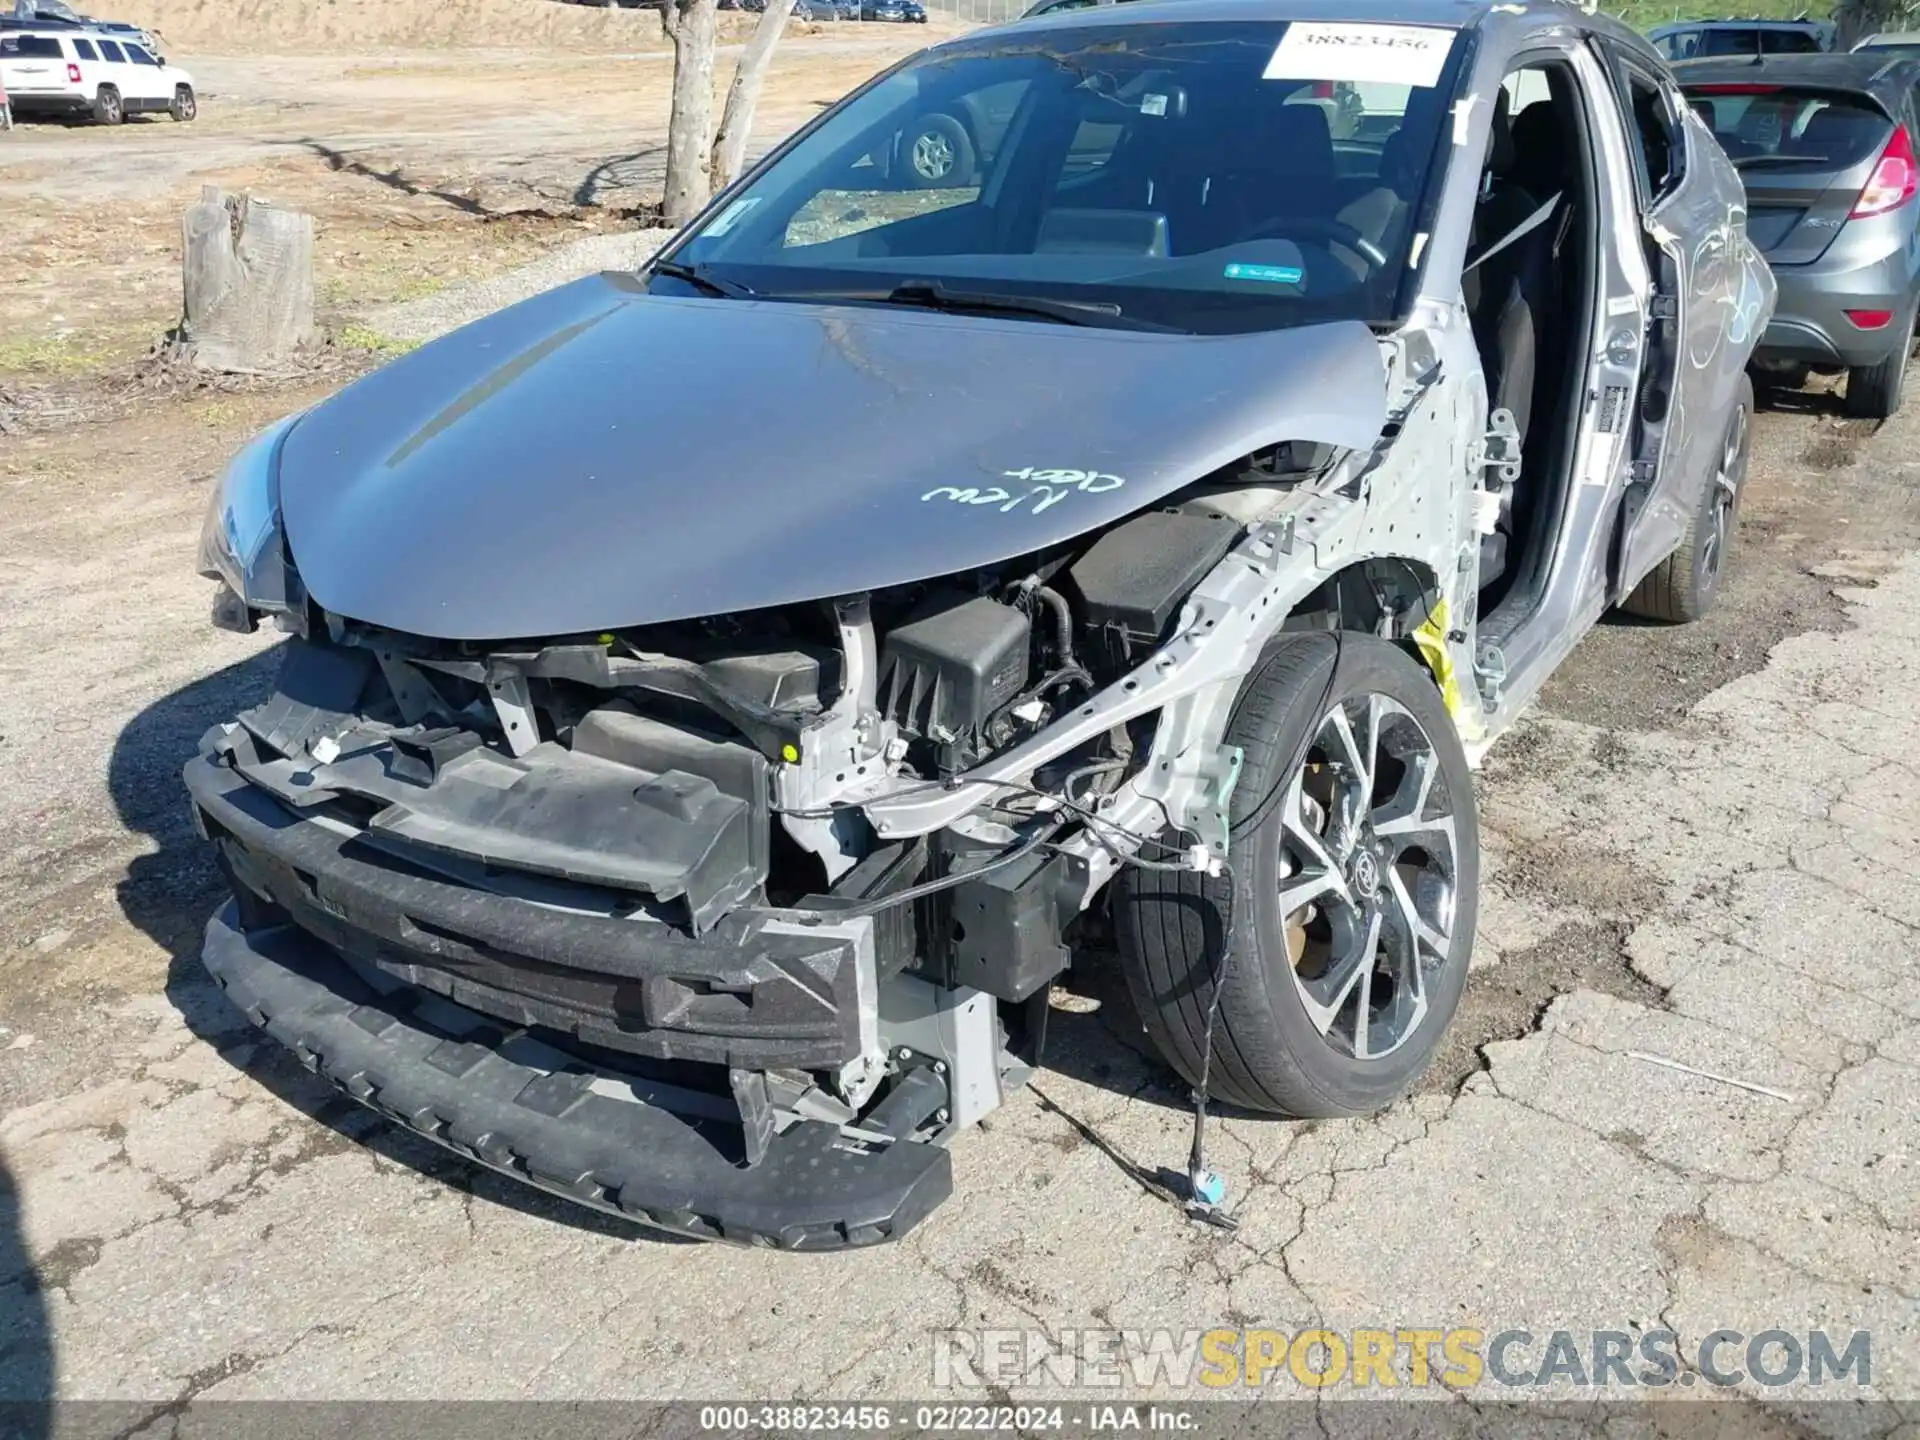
x: 1278, y: 163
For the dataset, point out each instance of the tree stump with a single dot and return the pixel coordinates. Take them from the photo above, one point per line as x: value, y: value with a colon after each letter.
x: 247, y: 277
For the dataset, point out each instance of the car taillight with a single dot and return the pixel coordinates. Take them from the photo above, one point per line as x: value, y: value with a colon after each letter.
x: 1323, y: 89
x: 1870, y: 319
x: 73, y: 74
x: 1894, y: 179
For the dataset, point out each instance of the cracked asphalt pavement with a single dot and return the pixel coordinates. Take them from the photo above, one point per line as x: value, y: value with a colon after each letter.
x: 1701, y: 848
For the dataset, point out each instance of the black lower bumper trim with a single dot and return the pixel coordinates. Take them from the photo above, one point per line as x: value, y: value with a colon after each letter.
x: 813, y: 1190
x: 756, y: 991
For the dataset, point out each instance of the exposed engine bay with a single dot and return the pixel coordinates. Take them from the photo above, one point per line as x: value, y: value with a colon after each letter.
x: 811, y: 866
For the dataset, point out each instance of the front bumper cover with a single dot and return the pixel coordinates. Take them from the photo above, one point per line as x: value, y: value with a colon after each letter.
x: 758, y: 991
x: 527, y: 1110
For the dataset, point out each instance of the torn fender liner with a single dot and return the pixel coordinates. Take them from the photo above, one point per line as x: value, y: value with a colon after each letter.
x: 756, y: 991
x: 430, y: 1068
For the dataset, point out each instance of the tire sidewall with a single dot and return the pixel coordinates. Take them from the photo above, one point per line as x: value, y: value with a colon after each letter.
x: 1365, y: 663
x: 1706, y: 584
x: 184, y: 107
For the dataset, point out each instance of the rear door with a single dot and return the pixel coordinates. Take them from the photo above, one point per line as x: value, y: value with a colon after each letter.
x: 114, y: 69
x: 86, y: 53
x: 1693, y: 234
x: 1805, y: 153
x: 32, y: 65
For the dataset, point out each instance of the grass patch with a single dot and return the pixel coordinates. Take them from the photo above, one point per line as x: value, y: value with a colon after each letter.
x: 365, y: 337
x: 1645, y: 14
x: 52, y: 357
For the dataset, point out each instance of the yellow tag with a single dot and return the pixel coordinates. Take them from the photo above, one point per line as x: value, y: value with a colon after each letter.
x: 1431, y: 641
x: 790, y: 753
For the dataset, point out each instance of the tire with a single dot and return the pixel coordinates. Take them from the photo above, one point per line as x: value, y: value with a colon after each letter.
x: 108, y: 108
x: 1270, y: 1053
x: 1874, y: 391
x: 183, y: 107
x: 1682, y: 587
x: 937, y: 153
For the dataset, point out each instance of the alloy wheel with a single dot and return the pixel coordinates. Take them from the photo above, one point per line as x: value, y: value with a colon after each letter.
x: 1726, y: 495
x: 1369, y: 869
x: 932, y: 155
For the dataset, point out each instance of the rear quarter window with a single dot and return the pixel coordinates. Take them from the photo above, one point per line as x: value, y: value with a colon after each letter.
x: 30, y: 47
x: 1788, y: 130
x: 84, y: 49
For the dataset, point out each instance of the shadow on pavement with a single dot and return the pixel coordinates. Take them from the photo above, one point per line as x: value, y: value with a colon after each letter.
x: 26, y: 1337
x: 169, y: 896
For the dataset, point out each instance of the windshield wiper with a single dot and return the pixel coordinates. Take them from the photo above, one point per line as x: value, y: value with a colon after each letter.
x: 1747, y: 162
x: 934, y: 295
x: 701, y: 281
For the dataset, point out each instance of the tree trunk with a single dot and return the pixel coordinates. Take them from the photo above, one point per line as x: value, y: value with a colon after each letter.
x: 736, y: 121
x: 247, y: 282
x: 1854, y: 20
x: 691, y: 26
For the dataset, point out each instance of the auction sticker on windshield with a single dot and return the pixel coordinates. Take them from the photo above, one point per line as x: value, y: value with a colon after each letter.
x: 1393, y: 54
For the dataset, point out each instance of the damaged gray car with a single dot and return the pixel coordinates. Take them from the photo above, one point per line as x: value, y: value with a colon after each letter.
x: 683, y: 792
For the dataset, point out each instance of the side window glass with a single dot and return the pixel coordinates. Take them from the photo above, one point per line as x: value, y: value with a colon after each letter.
x: 84, y: 49
x: 1656, y: 148
x: 111, y: 51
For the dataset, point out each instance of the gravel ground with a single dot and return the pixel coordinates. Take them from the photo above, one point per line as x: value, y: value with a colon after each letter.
x: 1700, y: 848
x: 434, y: 315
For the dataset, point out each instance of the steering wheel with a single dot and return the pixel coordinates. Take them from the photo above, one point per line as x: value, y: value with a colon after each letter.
x: 1336, y: 232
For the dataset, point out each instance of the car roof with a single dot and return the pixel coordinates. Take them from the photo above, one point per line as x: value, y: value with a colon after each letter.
x: 1685, y: 27
x: 1888, y: 78
x: 1454, y: 14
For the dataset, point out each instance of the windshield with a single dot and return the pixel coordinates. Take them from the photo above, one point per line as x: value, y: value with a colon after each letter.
x: 1212, y: 177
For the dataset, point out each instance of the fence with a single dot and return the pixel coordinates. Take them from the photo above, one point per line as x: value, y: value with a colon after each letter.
x: 978, y: 12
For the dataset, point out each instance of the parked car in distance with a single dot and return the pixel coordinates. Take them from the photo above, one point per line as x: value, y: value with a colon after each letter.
x: 29, y: 13
x: 1707, y: 39
x: 1825, y: 144
x: 64, y: 71
x: 908, y: 12
x: 1891, y: 42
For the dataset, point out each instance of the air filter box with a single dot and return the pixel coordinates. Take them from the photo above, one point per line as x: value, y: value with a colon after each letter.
x: 944, y: 673
x: 1133, y: 579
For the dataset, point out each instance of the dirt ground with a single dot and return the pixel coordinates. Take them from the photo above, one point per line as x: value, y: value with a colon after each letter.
x: 1701, y: 846
x: 421, y: 167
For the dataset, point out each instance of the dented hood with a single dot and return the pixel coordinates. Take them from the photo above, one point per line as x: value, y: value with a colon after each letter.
x: 597, y: 457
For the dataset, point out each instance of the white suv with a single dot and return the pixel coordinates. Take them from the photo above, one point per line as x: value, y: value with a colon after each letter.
x: 56, y: 70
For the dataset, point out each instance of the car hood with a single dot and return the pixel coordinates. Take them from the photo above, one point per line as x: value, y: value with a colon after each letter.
x: 598, y: 457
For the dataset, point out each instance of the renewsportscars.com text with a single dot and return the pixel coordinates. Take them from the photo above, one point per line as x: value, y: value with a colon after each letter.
x: 1400, y: 1357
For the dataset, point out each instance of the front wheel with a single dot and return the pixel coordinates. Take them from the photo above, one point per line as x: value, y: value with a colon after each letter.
x: 1352, y: 898
x: 183, y: 106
